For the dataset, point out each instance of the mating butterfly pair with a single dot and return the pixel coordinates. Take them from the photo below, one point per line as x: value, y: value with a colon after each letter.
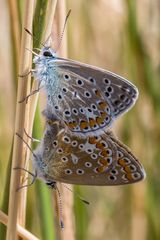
x: 82, y: 103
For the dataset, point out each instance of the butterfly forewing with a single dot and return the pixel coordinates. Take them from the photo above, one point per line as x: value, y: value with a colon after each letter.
x: 87, y: 99
x: 80, y: 105
x: 119, y: 92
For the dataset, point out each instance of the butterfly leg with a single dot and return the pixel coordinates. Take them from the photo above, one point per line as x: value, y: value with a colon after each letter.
x: 32, y: 139
x: 25, y: 75
x: 34, y: 176
x: 32, y: 93
x: 26, y: 145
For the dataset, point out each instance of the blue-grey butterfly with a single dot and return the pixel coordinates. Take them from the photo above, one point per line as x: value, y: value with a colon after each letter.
x: 85, y: 98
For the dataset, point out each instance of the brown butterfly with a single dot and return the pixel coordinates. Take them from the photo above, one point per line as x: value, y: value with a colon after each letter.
x: 90, y: 160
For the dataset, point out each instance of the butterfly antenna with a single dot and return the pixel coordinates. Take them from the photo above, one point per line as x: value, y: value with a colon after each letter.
x: 60, y: 40
x: 33, y: 36
x: 60, y: 207
x: 31, y: 51
x: 77, y: 195
x: 31, y: 138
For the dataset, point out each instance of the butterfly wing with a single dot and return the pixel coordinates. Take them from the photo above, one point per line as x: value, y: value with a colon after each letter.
x: 127, y: 168
x: 91, y: 98
x: 101, y: 160
x: 114, y: 88
x: 69, y: 158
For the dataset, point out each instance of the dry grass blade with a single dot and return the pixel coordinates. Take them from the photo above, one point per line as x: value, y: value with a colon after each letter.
x: 67, y: 198
x: 50, y: 16
x: 15, y: 30
x: 18, y: 156
x: 20, y: 230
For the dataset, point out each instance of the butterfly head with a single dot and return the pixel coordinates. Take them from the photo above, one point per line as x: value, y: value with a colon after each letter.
x: 46, y: 54
x: 51, y: 184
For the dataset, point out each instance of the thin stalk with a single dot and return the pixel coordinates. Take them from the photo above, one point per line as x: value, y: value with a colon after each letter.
x: 15, y: 40
x: 138, y: 55
x: 23, y: 233
x: 5, y: 200
x: 50, y: 12
x: 67, y: 198
x: 15, y: 32
x: 44, y: 13
x: 50, y: 16
x: 18, y: 148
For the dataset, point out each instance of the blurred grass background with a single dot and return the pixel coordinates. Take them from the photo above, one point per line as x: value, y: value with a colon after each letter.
x: 122, y: 36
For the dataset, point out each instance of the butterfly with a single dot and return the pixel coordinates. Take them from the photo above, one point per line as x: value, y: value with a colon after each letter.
x: 85, y: 98
x: 89, y: 160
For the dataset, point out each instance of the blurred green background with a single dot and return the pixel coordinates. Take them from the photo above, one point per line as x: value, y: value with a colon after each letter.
x: 122, y: 36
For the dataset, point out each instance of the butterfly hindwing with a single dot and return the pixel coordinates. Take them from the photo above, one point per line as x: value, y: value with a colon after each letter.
x: 101, y: 160
x: 127, y: 168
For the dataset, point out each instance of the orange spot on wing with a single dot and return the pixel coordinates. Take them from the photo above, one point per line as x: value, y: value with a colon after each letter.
x: 99, y: 145
x: 104, y: 153
x: 83, y: 125
x: 98, y: 93
x: 72, y: 124
x: 102, y: 105
x: 103, y: 115
x: 101, y: 169
x: 103, y: 162
x: 92, y: 122
x: 127, y: 169
x: 92, y: 140
x: 122, y: 162
x: 99, y: 120
x: 129, y: 176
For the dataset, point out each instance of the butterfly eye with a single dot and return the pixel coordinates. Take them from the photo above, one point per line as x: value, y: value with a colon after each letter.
x: 47, y: 54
